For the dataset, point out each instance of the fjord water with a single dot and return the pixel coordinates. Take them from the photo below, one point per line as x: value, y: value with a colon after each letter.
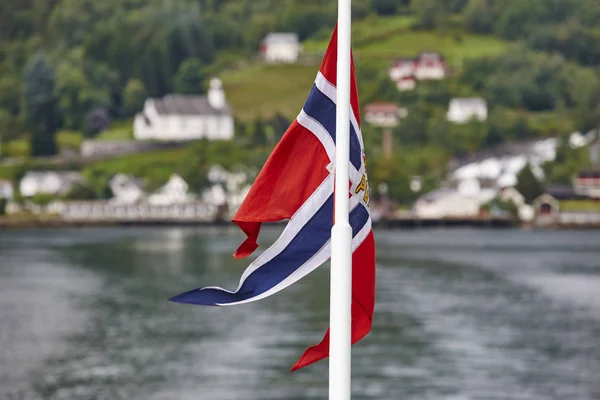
x: 460, y: 314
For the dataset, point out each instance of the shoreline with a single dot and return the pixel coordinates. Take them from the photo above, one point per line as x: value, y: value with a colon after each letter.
x: 392, y: 224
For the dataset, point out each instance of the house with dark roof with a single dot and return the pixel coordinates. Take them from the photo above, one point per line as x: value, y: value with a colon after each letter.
x: 183, y: 117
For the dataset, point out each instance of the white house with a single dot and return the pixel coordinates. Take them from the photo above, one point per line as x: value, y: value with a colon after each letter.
x: 446, y: 203
x: 227, y: 188
x: 48, y: 182
x: 513, y: 195
x: 406, y: 83
x: 6, y: 189
x: 384, y: 114
x: 280, y: 47
x: 217, y: 174
x: 175, y: 191
x: 125, y: 189
x: 181, y: 117
x: 215, y: 195
x: 402, y: 67
x: 462, y: 110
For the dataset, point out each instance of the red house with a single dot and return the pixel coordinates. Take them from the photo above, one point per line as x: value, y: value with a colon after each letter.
x: 430, y: 65
x: 587, y: 183
x: 427, y: 65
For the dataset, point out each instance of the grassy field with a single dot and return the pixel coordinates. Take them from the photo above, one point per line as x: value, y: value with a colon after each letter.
x: 385, y: 38
x: 579, y: 205
x: 551, y: 122
x: 156, y: 166
x: 267, y: 89
x: 363, y: 32
x: 119, y: 130
x: 15, y: 148
x: 8, y: 171
x: 69, y: 140
x: 136, y: 163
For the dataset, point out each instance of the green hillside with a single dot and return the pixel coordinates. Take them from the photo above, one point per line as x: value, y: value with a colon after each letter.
x: 266, y: 90
x: 76, y: 69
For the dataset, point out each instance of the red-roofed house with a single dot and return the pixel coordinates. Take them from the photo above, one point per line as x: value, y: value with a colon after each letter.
x: 384, y: 114
x: 427, y: 65
x: 430, y: 65
x: 587, y: 183
x: 387, y: 116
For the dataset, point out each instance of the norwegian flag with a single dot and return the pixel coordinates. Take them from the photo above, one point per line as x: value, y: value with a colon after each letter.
x: 297, y: 183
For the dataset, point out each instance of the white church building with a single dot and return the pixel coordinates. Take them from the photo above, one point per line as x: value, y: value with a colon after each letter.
x: 183, y: 117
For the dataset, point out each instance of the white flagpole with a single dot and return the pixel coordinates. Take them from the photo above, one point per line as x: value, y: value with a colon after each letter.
x: 341, y: 233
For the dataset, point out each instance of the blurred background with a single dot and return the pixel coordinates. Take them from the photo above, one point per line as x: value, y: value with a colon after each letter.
x: 131, y: 130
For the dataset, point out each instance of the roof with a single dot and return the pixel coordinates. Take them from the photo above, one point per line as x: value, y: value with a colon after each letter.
x: 561, y: 192
x: 281, y: 37
x: 543, y: 198
x: 589, y: 173
x: 175, y: 104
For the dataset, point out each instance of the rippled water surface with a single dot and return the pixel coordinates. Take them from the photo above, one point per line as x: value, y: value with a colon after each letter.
x: 460, y: 314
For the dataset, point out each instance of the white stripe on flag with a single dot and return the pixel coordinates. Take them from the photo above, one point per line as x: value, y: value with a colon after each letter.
x: 314, y: 262
x: 329, y: 90
x: 295, y: 224
x: 319, y: 131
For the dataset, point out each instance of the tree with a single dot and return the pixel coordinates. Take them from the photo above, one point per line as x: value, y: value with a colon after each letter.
x: 479, y: 17
x: 528, y: 185
x: 587, y: 109
x: 430, y: 13
x: 190, y: 77
x: 77, y: 94
x: 81, y: 191
x: 307, y: 17
x: 10, y: 126
x: 515, y: 18
x: 194, y: 166
x: 385, y: 7
x: 257, y: 132
x: 567, y: 163
x: 41, y: 106
x: 134, y: 96
x: 97, y: 122
x: 10, y: 93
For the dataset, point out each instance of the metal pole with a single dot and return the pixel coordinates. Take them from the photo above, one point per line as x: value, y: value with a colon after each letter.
x: 341, y: 233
